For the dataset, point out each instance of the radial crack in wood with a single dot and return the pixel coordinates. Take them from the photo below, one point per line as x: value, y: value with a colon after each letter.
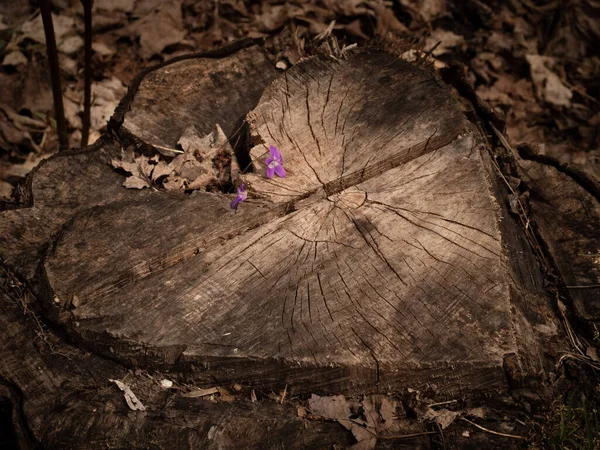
x: 339, y: 122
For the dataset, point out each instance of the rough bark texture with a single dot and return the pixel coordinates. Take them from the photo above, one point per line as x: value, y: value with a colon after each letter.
x: 387, y: 259
x: 568, y: 217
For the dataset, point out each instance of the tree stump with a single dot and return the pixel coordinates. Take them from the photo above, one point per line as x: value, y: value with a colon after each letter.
x: 387, y: 261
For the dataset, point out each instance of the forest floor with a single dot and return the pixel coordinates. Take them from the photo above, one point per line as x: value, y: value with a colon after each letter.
x: 536, y: 62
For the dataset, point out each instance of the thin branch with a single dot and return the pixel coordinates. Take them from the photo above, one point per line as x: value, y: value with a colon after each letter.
x: 514, y: 436
x: 406, y: 436
x: 87, y: 84
x: 59, y: 110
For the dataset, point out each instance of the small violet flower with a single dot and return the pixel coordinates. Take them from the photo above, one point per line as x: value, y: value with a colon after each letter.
x: 240, y: 197
x: 274, y: 163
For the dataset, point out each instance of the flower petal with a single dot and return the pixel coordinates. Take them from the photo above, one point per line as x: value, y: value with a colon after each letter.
x: 269, y: 160
x: 270, y: 172
x: 275, y: 154
x: 279, y: 170
x: 235, y: 202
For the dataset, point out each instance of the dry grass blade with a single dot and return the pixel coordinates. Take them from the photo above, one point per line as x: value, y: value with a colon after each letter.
x: 497, y: 433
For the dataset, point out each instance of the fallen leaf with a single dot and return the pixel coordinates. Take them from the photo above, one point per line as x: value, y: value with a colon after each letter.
x: 592, y: 353
x: 130, y: 398
x: 70, y: 45
x: 159, y: 29
x: 331, y: 408
x: 34, y: 29
x: 14, y: 59
x: 102, y: 49
x: 547, y: 84
x: 139, y: 168
x: 205, y: 160
x: 272, y: 17
x: 443, y: 417
x: 225, y: 395
x: 426, y: 10
x: 447, y: 39
x: 107, y: 95
x: 364, y: 429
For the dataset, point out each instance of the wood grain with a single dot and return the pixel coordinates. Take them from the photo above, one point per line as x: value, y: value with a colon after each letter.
x: 381, y: 262
x: 202, y: 91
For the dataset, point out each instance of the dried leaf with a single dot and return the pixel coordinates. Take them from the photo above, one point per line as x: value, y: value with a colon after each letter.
x: 426, y: 10
x: 34, y: 29
x: 331, y: 408
x: 139, y: 168
x: 225, y: 395
x: 338, y: 409
x: 547, y: 84
x: 198, y: 165
x: 447, y: 39
x: 160, y: 28
x: 443, y: 417
x: 14, y: 59
x: 130, y: 398
x: 272, y: 17
x: 592, y: 353
x: 107, y: 95
x: 70, y: 45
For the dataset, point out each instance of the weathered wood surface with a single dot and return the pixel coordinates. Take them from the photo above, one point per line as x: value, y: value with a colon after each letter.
x: 568, y: 217
x: 377, y: 263
x: 387, y: 259
x: 62, y: 398
x: 201, y: 90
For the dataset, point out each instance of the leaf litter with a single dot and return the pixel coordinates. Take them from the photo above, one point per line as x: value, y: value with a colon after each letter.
x: 545, y: 82
x: 204, y: 163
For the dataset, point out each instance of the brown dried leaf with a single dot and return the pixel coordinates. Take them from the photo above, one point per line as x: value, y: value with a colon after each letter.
x: 272, y: 17
x: 547, y: 84
x: 426, y: 10
x: 139, y: 168
x: 443, y: 417
x: 174, y: 183
x: 331, y: 408
x: 196, y: 166
x: 447, y: 39
x: 106, y: 94
x: 159, y: 29
x: 34, y: 29
x: 14, y: 59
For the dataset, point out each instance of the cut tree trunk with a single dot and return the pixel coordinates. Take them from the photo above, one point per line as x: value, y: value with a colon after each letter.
x: 387, y: 261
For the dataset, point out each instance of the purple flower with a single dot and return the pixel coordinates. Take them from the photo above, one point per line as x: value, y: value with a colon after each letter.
x: 240, y: 197
x: 274, y: 163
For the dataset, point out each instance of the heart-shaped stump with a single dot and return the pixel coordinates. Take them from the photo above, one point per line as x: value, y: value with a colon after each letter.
x: 376, y: 263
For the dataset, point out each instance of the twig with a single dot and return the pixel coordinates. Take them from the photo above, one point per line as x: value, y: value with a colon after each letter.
x: 405, y: 436
x: 283, y: 395
x: 514, y: 436
x: 87, y: 71
x: 442, y: 403
x: 174, y: 150
x: 428, y: 53
x: 59, y: 110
